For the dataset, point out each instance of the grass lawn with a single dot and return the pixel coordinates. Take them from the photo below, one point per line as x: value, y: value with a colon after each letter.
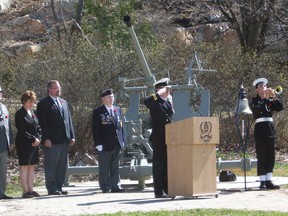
x: 200, y: 212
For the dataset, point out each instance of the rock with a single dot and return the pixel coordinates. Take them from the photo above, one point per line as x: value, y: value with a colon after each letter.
x: 29, y: 23
x: 4, y: 5
x: 13, y: 48
x: 23, y: 28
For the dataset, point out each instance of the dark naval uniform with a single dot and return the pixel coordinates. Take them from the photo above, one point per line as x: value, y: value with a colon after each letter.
x: 161, y: 112
x: 264, y: 132
x: 108, y: 132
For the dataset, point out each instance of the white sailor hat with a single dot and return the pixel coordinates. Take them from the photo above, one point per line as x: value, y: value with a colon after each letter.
x: 260, y: 80
x: 162, y: 83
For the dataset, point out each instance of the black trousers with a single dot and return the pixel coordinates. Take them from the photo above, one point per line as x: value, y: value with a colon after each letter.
x: 159, y: 169
x: 265, y: 150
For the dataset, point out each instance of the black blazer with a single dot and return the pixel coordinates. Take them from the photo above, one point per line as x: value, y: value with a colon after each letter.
x: 28, y: 128
x: 161, y: 114
x: 105, y: 131
x: 56, y: 125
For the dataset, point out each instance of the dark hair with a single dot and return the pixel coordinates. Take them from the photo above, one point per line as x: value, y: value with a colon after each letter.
x: 28, y: 95
x: 256, y: 86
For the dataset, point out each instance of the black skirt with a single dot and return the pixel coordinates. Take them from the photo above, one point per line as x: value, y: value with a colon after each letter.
x: 27, y: 154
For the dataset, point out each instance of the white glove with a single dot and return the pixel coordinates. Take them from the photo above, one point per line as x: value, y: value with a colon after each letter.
x: 99, y: 147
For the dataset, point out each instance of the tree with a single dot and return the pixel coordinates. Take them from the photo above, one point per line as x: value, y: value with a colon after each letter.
x: 259, y: 23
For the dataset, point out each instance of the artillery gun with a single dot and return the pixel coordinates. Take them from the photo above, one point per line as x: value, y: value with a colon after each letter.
x: 138, y: 151
x: 190, y: 99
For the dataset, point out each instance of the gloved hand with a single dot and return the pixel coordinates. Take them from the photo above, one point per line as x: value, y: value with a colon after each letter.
x: 99, y: 147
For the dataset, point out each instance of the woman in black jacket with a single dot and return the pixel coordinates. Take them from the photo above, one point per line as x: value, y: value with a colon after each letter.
x: 27, y: 141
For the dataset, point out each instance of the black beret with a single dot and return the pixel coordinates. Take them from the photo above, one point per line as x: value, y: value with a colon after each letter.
x: 106, y: 92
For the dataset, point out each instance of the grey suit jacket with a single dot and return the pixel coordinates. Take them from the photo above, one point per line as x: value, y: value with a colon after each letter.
x: 6, y: 134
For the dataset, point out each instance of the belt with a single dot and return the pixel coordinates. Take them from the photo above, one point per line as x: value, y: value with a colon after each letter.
x: 264, y: 119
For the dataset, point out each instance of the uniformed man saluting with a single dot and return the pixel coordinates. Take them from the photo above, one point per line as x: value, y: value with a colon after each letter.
x: 161, y: 111
x: 262, y: 107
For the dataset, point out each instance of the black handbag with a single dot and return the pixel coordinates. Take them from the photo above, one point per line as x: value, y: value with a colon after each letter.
x: 227, y: 175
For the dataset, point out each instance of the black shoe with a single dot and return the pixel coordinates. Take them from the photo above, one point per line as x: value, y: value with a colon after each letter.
x: 262, y: 185
x: 35, y: 194
x: 27, y: 195
x: 117, y: 190
x: 5, y: 197
x: 270, y: 185
x: 64, y: 192
x: 161, y: 196
x: 54, y: 193
x: 105, y: 191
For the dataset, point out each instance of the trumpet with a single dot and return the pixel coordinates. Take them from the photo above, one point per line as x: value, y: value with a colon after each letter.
x: 270, y: 92
x: 278, y: 90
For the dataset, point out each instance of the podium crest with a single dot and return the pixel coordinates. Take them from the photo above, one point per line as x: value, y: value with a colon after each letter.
x: 206, y: 131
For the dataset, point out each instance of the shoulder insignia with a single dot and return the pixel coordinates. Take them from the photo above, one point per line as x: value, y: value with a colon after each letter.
x: 154, y: 96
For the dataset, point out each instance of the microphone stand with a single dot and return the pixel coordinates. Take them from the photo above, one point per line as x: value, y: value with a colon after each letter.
x: 246, y: 140
x: 240, y: 135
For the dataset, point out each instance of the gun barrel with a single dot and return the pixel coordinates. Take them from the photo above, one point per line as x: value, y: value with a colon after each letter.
x: 150, y: 78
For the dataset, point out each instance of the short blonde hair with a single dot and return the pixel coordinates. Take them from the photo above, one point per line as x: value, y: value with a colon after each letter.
x: 28, y: 95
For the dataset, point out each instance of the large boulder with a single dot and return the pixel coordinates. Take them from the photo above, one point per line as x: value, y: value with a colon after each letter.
x: 29, y: 23
x: 4, y: 5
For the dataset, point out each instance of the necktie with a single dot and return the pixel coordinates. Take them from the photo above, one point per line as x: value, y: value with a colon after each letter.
x: 113, y: 117
x: 1, y: 113
x: 59, y: 106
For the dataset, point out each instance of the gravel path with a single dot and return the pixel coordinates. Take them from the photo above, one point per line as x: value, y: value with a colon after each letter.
x: 86, y: 198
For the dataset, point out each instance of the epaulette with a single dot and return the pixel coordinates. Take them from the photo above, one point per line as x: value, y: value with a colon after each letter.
x: 154, y: 96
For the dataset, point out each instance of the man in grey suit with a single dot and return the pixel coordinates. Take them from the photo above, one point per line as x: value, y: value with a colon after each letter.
x: 6, y: 138
x: 57, y: 133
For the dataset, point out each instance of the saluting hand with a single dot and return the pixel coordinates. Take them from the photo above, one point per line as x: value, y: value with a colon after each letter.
x: 164, y: 92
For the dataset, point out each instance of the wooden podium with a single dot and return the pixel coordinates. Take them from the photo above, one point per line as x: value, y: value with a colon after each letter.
x: 191, y: 156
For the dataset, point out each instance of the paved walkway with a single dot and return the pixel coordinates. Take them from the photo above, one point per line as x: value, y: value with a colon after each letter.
x: 86, y: 198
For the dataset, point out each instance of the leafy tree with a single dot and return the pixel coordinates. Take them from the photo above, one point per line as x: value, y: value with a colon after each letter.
x: 104, y: 19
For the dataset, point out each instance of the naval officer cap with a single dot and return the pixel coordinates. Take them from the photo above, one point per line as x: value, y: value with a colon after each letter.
x: 162, y: 83
x: 106, y: 92
x: 260, y: 80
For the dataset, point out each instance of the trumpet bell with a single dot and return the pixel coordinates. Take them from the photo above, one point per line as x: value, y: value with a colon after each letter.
x: 278, y: 90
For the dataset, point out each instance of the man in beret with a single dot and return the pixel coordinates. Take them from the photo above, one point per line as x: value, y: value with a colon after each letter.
x: 262, y: 107
x: 108, y: 138
x: 6, y: 138
x: 161, y: 112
